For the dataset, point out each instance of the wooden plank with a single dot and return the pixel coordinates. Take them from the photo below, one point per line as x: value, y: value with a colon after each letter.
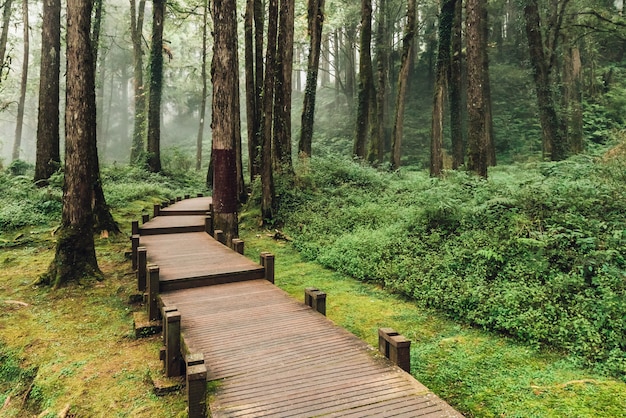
x: 195, y: 206
x: 172, y: 225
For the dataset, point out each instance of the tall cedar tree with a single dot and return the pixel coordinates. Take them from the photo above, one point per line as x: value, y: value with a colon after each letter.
x: 282, y: 97
x: 4, y: 36
x: 543, y: 61
x: 139, y: 125
x: 403, y: 81
x: 252, y: 97
x: 17, y: 144
x: 477, y: 129
x: 446, y: 19
x: 225, y: 122
x: 75, y: 256
x: 156, y: 87
x: 376, y: 151
x: 315, y: 19
x: 203, y: 76
x: 269, y: 85
x: 455, y: 88
x: 366, y: 81
x: 48, y: 158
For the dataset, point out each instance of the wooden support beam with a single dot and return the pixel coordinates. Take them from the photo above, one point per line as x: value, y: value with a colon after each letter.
x: 208, y: 224
x: 156, y: 210
x: 135, y: 228
x: 171, y: 322
x: 219, y: 236
x: 238, y: 245
x: 316, y: 299
x: 134, y: 244
x: 267, y: 261
x: 196, y: 386
x: 200, y: 195
x: 395, y: 347
x: 145, y: 218
x: 153, y: 292
x: 142, y: 260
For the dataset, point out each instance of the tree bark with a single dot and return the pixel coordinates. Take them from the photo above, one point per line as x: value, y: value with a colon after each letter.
x: 376, y: 152
x: 48, y: 159
x: 251, y: 92
x: 366, y: 81
x: 574, y: 95
x: 403, y: 80
x: 6, y: 19
x: 139, y: 124
x: 269, y: 85
x: 490, y: 142
x: 476, y: 122
x: 17, y: 144
x: 75, y: 256
x: 203, y: 98
x: 156, y: 86
x: 455, y: 89
x: 224, y: 75
x: 282, y: 98
x: 446, y: 20
x: 316, y: 24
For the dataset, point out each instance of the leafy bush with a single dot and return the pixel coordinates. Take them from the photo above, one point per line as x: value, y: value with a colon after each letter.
x: 536, y: 252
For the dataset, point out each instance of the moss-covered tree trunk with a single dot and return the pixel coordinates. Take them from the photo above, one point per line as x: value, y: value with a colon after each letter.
x: 225, y: 122
x: 48, y: 138
x: 156, y: 87
x: 139, y: 124
x: 316, y: 24
x: 4, y: 35
x: 366, y: 81
x: 403, y: 81
x: 75, y: 256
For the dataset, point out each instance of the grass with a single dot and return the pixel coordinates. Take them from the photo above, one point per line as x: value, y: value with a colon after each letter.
x: 479, y: 373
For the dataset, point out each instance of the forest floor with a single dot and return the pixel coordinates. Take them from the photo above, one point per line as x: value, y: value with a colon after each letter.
x: 72, y: 352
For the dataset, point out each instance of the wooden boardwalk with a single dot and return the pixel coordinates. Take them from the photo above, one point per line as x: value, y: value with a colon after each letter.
x: 270, y: 355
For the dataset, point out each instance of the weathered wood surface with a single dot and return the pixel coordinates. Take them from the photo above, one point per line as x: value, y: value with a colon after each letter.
x: 173, y: 225
x: 195, y: 206
x: 195, y: 259
x: 274, y: 356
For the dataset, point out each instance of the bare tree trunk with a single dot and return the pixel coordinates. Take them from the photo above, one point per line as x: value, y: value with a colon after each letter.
x: 75, y: 256
x: 316, y: 21
x: 6, y: 19
x: 403, y: 80
x: 20, y: 106
x: 490, y: 142
x: 576, y: 144
x: 376, y: 152
x: 282, y: 99
x: 254, y: 145
x: 156, y: 86
x: 224, y: 71
x: 139, y: 125
x: 455, y: 89
x: 366, y: 80
x: 48, y: 138
x: 477, y: 126
x: 251, y: 91
x: 204, y: 93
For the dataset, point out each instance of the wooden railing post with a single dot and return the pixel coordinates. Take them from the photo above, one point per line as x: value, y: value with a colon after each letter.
x: 135, y: 228
x: 238, y: 245
x: 208, y: 224
x: 316, y: 299
x: 199, y: 195
x: 153, y: 292
x: 142, y: 261
x: 267, y: 261
x: 171, y: 322
x: 187, y: 196
x: 145, y: 218
x: 196, y: 386
x: 134, y: 244
x: 179, y: 198
x: 395, y: 347
x: 219, y: 236
x: 156, y: 210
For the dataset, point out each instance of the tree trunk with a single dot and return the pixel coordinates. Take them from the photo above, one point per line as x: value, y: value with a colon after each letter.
x: 316, y: 22
x: 204, y: 93
x: 576, y: 144
x: 224, y: 73
x: 553, y: 138
x: 366, y: 80
x: 282, y: 99
x: 6, y: 19
x: 455, y: 89
x: 48, y: 158
x: 403, y: 80
x: 75, y: 256
x: 267, y: 175
x: 376, y: 152
x: 490, y: 142
x: 251, y: 91
x: 476, y: 123
x: 254, y: 142
x: 139, y: 124
x: 156, y: 86
x: 20, y: 106
x: 446, y: 20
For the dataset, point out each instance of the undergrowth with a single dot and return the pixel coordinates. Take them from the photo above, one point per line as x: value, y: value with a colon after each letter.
x: 536, y: 252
